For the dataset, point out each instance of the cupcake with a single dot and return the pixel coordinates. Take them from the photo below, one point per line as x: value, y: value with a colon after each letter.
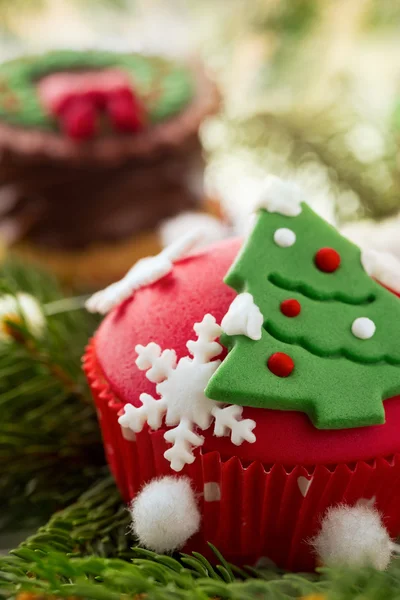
x: 250, y: 387
x: 100, y: 159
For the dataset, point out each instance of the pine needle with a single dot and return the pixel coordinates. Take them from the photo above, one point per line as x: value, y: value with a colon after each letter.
x: 48, y: 423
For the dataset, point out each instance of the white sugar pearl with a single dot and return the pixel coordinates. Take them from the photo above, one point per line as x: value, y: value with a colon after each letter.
x: 284, y: 237
x: 363, y: 328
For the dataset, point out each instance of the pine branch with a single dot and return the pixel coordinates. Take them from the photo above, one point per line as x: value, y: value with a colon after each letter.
x: 56, y: 560
x: 24, y: 339
x: 50, y: 445
x: 84, y: 552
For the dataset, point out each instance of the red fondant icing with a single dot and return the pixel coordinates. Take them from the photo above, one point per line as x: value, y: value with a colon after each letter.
x: 79, y: 119
x: 124, y: 111
x: 76, y: 98
x: 290, y: 307
x: 280, y: 364
x: 327, y: 260
x: 165, y: 313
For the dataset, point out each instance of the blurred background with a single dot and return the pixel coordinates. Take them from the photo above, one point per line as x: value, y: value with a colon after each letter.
x: 311, y: 90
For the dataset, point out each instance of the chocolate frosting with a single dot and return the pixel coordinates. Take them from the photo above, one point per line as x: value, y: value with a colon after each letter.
x: 70, y: 207
x: 62, y: 195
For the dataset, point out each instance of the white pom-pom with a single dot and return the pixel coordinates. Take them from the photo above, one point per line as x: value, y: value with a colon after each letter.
x: 165, y: 514
x: 353, y: 536
x: 278, y: 196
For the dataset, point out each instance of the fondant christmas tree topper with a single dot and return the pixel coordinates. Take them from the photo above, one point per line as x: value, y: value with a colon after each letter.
x: 180, y: 386
x: 328, y: 340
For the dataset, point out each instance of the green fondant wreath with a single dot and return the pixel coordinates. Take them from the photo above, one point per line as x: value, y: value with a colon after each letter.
x: 165, y: 87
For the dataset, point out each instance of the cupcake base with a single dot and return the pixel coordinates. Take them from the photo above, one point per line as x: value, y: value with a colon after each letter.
x: 251, y: 512
x: 94, y: 267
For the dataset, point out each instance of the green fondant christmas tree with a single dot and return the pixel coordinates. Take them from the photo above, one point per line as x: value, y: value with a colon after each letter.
x: 310, y: 331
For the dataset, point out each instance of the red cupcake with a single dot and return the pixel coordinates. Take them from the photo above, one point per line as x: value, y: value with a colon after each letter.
x: 248, y: 450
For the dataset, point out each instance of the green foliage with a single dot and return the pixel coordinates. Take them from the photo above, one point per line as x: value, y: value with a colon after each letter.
x: 11, y: 11
x: 50, y: 446
x: 383, y: 13
x: 116, y: 5
x: 84, y: 551
x: 313, y: 146
x: 287, y: 17
x: 97, y: 524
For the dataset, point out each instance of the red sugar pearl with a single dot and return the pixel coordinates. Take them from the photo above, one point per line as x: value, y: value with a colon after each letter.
x: 280, y: 364
x: 327, y: 260
x: 290, y: 307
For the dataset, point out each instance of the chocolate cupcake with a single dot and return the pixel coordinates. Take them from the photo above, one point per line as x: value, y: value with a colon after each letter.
x: 99, y: 151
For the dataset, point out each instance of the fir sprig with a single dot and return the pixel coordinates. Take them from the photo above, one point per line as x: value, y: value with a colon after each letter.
x: 86, y: 552
x: 50, y: 445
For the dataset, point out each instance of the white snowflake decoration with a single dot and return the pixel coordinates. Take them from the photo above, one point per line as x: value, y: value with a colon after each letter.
x: 180, y: 387
x: 243, y: 318
x: 278, y: 196
x: 144, y: 272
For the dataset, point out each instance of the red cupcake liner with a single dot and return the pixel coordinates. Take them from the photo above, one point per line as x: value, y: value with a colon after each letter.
x: 250, y: 512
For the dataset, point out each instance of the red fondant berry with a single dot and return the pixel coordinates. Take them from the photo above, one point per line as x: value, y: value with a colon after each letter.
x: 97, y: 97
x: 122, y: 92
x: 290, y: 307
x: 60, y: 105
x: 124, y: 111
x: 327, y: 260
x: 79, y: 120
x: 280, y: 364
